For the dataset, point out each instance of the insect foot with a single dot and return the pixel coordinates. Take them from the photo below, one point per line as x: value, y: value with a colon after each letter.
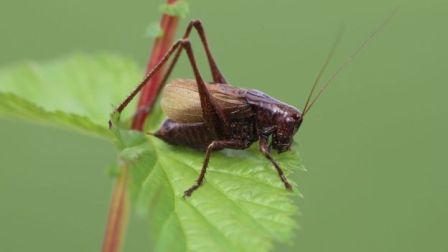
x: 188, y: 192
x: 288, y: 186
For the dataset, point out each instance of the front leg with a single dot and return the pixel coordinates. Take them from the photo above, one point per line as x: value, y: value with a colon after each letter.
x: 264, y: 148
x: 215, y: 145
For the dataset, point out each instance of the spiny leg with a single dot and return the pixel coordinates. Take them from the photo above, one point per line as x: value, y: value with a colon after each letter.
x: 151, y: 73
x: 215, y: 145
x: 214, y: 118
x: 177, y: 49
x: 264, y: 148
x: 216, y: 73
x: 207, y: 107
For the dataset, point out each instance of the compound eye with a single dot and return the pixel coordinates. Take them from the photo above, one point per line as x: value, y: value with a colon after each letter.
x: 290, y: 119
x: 296, y: 116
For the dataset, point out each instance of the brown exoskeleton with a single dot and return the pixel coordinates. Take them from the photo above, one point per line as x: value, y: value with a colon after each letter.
x: 216, y: 115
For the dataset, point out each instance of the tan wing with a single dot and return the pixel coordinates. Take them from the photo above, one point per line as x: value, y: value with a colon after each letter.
x: 180, y: 101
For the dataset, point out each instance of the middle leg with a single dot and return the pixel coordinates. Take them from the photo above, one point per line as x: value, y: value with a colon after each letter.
x: 215, y: 145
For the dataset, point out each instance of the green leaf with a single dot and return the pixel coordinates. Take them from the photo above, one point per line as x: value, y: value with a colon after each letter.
x: 178, y: 9
x: 77, y: 92
x: 154, y: 30
x: 243, y: 205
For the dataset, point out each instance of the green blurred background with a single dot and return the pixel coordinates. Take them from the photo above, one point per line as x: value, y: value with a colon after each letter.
x: 375, y: 145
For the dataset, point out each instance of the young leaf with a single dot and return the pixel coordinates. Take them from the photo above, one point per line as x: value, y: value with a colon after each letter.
x: 154, y: 30
x: 242, y: 206
x: 78, y: 92
x: 178, y: 9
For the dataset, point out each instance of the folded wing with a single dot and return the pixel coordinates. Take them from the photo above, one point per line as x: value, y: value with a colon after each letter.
x: 180, y: 101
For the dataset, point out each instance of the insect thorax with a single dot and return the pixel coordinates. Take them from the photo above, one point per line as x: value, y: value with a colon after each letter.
x: 275, y: 118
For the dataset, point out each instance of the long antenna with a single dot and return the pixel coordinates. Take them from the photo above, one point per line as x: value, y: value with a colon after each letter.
x: 324, y: 67
x: 350, y: 58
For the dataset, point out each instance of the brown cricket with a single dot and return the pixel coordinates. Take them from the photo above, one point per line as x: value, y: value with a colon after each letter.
x: 216, y: 115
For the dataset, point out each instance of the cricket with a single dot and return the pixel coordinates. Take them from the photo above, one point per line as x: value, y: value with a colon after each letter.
x: 211, y: 116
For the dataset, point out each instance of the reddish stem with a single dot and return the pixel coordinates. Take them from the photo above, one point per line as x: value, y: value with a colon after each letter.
x: 151, y: 90
x: 117, y: 215
x: 116, y: 225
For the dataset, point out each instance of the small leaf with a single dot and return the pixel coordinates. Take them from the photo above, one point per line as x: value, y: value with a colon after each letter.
x: 178, y: 9
x: 113, y: 170
x: 78, y: 91
x: 242, y: 205
x: 154, y: 30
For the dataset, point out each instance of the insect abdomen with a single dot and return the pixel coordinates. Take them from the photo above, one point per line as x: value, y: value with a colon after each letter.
x: 194, y: 135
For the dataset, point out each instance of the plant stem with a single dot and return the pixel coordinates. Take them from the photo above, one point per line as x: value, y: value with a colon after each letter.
x: 117, y: 215
x: 151, y: 90
x: 116, y: 226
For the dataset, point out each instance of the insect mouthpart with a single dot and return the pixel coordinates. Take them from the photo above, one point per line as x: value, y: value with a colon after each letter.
x: 283, y: 148
x: 281, y: 142
x: 287, y: 127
